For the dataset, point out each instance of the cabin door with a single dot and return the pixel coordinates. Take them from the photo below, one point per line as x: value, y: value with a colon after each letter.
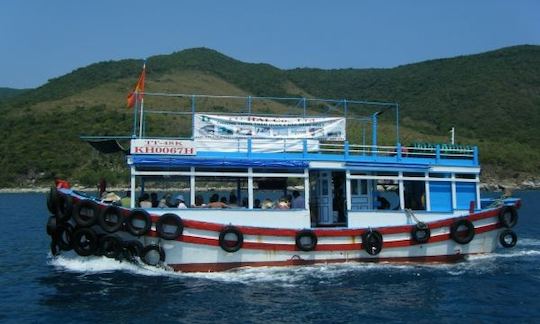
x: 323, y: 197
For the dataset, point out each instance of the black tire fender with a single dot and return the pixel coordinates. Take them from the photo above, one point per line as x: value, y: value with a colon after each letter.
x: 55, y: 249
x: 111, y: 219
x: 51, y: 225
x: 64, y: 207
x: 456, y: 231
x: 508, y: 216
x: 372, y: 242
x: 85, y: 212
x: 306, y: 240
x: 170, y: 219
x: 85, y: 241
x: 133, y: 249
x: 51, y: 199
x: 149, y: 254
x: 63, y: 236
x: 138, y: 215
x: 110, y: 246
x: 420, y: 233
x: 228, y: 244
x: 503, y: 238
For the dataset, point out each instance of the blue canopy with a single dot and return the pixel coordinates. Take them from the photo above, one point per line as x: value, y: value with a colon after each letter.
x: 173, y: 161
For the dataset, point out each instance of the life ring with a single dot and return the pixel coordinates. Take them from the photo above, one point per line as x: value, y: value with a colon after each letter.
x: 64, y: 207
x: 306, y: 240
x: 372, y: 242
x: 460, y: 235
x: 85, y: 241
x: 132, y: 249
x: 138, y: 222
x: 51, y: 225
x: 505, y: 235
x: 110, y: 246
x: 63, y: 236
x: 508, y: 216
x: 164, y: 224
x: 111, y: 219
x: 231, y: 239
x: 420, y: 233
x: 85, y: 212
x: 51, y: 199
x: 153, y: 255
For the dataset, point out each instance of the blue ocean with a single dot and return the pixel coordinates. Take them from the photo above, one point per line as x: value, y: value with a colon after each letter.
x: 37, y: 288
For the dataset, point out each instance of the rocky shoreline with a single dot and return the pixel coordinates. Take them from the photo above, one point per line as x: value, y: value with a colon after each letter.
x: 501, y: 185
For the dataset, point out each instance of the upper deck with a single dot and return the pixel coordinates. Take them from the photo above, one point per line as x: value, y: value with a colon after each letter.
x: 278, y: 129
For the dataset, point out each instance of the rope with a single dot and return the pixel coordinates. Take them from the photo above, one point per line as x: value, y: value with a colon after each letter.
x: 498, y: 202
x: 410, y: 213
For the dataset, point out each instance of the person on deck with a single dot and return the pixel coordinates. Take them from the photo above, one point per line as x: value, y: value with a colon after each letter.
x: 283, y: 203
x: 154, y: 199
x: 257, y: 203
x: 298, y: 200
x: 267, y: 204
x: 144, y: 201
x: 199, y: 202
x: 126, y: 201
x: 165, y: 201
x: 62, y: 184
x: 102, y: 187
x: 180, y: 201
x: 215, y: 203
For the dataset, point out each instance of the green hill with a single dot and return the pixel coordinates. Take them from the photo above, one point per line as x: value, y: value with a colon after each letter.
x: 7, y: 93
x: 493, y: 100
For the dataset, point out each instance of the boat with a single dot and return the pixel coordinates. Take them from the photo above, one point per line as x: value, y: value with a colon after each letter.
x: 354, y: 200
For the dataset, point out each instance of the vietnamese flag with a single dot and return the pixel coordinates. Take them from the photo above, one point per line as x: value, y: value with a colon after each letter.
x: 139, y: 89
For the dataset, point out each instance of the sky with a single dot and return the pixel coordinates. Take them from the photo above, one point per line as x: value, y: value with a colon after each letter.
x: 40, y: 39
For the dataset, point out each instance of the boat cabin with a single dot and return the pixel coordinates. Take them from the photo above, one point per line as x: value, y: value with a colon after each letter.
x: 295, y: 162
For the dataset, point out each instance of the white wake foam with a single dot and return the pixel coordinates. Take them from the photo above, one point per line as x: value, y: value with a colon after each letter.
x: 528, y: 242
x: 293, y: 276
x: 94, y: 264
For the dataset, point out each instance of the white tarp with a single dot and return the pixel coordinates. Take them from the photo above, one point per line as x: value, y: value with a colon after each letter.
x: 262, y: 145
x: 261, y: 127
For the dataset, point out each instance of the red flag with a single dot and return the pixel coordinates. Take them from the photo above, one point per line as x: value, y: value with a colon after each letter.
x: 138, y: 91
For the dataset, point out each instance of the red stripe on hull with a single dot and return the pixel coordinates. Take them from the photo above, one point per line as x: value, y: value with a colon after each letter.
x: 248, y: 230
x: 323, y: 247
x: 212, y: 267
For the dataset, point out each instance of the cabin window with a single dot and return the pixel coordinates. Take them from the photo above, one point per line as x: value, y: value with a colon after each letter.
x: 465, y: 176
x: 386, y: 195
x: 358, y: 187
x: 415, y: 194
x: 354, y: 187
x: 163, y: 191
x: 231, y: 191
x: 278, y: 193
x: 439, y: 175
x: 413, y: 174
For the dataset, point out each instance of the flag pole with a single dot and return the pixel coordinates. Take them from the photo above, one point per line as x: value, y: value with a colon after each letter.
x: 141, y: 118
x: 135, y: 119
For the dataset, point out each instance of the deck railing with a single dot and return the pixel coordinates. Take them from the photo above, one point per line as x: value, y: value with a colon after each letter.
x: 249, y: 146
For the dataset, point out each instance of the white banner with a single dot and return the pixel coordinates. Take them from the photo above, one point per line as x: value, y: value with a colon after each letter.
x: 259, y: 145
x: 222, y: 126
x: 162, y: 146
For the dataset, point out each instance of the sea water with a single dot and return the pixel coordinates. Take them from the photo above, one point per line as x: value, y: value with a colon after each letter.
x: 36, y: 287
